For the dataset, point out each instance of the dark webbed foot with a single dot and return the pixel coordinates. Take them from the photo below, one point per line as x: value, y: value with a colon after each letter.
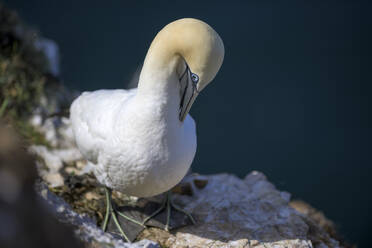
x: 112, y: 212
x: 167, y: 205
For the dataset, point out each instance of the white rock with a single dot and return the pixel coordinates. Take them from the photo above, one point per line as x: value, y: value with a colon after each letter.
x: 231, y: 212
x: 68, y: 155
x: 52, y: 161
x: 53, y: 179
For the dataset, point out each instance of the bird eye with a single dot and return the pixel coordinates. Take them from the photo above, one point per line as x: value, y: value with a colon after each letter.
x: 194, y: 77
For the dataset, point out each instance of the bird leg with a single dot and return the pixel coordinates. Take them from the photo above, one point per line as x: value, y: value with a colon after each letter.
x: 166, y: 205
x: 111, y: 211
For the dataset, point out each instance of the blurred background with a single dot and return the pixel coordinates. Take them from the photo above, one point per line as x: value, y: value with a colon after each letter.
x: 292, y: 98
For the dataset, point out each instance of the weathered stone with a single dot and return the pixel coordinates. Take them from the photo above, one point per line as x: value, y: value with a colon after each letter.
x: 85, y: 228
x: 230, y: 212
x: 53, y: 179
x: 320, y: 228
x: 183, y: 188
x: 200, y: 183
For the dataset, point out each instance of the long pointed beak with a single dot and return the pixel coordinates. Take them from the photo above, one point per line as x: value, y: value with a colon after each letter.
x: 188, y: 92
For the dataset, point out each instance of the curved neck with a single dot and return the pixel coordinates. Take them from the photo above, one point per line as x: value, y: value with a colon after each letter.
x: 164, y: 62
x: 159, y: 86
x: 161, y: 71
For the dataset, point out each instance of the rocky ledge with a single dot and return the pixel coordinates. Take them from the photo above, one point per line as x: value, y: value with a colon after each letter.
x: 230, y: 212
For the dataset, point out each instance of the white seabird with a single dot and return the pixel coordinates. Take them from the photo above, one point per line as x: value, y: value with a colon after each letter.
x: 142, y: 141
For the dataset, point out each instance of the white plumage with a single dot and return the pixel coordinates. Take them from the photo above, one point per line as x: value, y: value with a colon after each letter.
x: 139, y: 141
x: 137, y: 146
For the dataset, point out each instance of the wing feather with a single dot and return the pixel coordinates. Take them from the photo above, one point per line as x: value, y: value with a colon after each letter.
x: 92, y: 116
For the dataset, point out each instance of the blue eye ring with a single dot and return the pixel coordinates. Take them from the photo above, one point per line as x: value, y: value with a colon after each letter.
x: 194, y: 77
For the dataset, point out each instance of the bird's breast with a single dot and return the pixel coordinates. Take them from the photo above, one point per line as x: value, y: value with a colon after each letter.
x: 149, y: 153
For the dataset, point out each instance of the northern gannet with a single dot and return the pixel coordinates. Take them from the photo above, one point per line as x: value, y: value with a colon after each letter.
x: 142, y: 141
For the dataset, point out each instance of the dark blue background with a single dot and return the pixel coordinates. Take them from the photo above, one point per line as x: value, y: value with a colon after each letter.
x: 292, y: 98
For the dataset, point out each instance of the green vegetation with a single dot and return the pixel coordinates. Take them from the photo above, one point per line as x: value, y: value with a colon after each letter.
x: 22, y: 76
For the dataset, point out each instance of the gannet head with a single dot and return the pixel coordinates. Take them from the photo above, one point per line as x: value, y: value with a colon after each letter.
x: 202, y: 50
x: 199, y: 45
x: 199, y: 52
